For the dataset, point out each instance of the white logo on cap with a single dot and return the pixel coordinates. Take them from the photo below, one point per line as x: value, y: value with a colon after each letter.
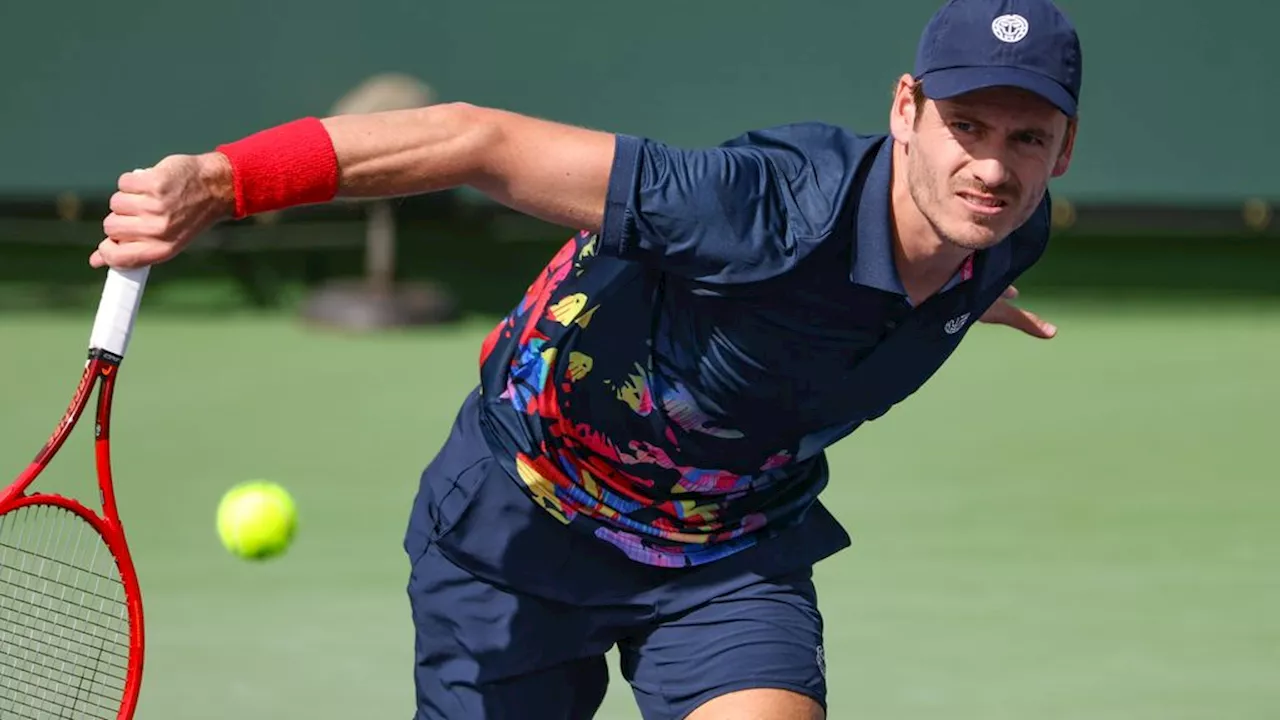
x: 1010, y: 28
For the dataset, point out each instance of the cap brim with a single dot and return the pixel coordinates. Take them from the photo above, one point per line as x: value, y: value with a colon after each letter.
x: 953, y: 82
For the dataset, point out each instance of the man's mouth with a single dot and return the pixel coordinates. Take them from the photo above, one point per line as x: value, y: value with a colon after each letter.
x: 981, y: 203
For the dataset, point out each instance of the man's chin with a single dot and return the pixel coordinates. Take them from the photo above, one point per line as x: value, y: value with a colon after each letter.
x: 974, y: 236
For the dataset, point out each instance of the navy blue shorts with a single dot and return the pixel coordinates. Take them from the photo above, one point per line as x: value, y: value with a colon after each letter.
x: 514, y: 611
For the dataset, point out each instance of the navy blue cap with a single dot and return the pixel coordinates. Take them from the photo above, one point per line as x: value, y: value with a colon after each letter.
x: 974, y: 44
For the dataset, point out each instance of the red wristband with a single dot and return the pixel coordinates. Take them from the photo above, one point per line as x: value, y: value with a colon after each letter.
x: 284, y: 166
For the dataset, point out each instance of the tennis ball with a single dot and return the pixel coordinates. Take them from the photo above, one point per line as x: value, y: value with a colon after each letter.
x: 257, y: 520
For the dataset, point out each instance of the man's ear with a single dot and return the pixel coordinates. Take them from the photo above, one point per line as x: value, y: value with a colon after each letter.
x: 903, y: 112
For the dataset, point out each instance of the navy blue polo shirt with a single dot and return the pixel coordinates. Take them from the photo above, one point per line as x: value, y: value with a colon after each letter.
x: 670, y: 383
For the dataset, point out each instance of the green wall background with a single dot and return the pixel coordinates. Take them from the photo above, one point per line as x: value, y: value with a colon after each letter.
x: 1177, y: 104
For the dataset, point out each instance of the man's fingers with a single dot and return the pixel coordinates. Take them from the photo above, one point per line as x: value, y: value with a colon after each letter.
x: 140, y: 182
x: 155, y: 212
x: 127, y: 255
x: 1010, y: 293
x: 125, y: 203
x: 1030, y: 323
x: 141, y: 230
x: 1004, y: 313
x: 132, y: 226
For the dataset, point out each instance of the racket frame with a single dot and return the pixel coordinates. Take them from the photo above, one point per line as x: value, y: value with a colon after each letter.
x: 112, y: 327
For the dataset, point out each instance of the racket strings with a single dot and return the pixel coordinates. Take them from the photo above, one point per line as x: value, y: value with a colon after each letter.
x: 31, y: 581
x: 64, y: 623
x: 38, y: 556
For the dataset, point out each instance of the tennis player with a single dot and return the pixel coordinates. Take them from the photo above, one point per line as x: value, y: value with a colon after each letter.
x: 639, y: 466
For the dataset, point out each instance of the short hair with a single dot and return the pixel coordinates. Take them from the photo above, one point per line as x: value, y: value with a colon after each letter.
x: 917, y: 97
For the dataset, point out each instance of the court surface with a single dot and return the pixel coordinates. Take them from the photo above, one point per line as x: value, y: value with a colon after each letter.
x: 1085, y: 528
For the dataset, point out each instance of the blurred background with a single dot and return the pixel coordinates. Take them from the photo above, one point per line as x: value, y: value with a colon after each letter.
x: 1079, y: 528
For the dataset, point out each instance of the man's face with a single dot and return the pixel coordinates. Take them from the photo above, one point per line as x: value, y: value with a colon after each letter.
x: 978, y: 164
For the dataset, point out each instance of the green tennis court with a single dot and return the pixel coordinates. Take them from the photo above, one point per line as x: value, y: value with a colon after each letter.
x: 1083, y: 528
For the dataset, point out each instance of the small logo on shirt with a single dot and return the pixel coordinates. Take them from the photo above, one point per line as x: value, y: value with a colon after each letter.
x: 821, y: 656
x: 1010, y: 28
x: 954, y: 325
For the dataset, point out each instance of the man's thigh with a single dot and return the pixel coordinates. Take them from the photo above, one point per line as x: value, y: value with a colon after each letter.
x: 484, y: 653
x: 764, y: 636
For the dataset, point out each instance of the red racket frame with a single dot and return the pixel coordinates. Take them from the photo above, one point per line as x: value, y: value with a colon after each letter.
x: 100, y: 372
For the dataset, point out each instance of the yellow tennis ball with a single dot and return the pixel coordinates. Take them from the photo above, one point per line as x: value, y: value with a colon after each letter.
x: 257, y: 520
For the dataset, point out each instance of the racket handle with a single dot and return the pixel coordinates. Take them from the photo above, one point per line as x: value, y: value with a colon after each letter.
x: 117, y: 309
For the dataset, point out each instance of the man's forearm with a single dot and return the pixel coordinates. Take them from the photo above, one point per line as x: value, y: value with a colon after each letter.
x: 552, y: 171
x: 409, y: 152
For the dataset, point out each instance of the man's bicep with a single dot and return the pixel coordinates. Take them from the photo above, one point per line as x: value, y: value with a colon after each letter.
x: 556, y: 172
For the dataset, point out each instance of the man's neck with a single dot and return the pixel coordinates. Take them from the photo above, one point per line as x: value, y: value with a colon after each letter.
x: 925, y: 262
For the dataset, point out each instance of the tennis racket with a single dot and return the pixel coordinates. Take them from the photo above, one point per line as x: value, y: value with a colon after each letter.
x: 70, y: 608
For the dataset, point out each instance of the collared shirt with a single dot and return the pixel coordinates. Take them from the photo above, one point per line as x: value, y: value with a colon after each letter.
x: 670, y: 384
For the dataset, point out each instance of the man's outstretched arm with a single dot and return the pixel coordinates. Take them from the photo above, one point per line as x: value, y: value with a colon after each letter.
x: 552, y: 171
x: 555, y: 172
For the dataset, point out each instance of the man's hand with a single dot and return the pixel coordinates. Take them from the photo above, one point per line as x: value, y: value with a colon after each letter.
x: 1003, y: 312
x: 159, y: 211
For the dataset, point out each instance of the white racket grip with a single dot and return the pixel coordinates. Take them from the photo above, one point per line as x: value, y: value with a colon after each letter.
x: 117, y: 309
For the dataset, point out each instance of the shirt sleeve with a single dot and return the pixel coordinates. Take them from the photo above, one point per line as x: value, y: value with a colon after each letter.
x: 746, y: 210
